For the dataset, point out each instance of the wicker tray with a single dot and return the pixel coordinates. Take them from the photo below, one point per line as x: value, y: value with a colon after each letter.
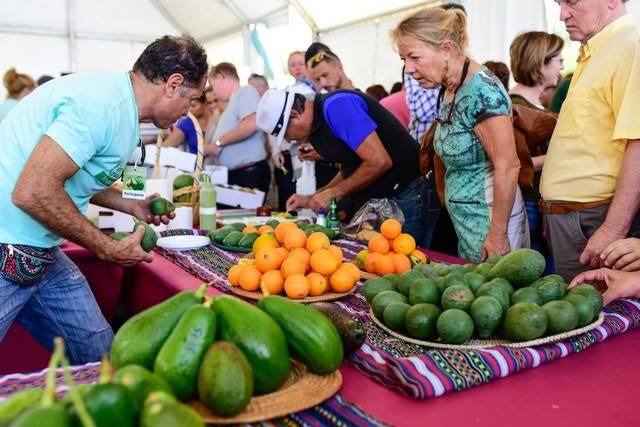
x: 231, y: 248
x: 477, y: 344
x: 301, y: 391
x: 328, y: 296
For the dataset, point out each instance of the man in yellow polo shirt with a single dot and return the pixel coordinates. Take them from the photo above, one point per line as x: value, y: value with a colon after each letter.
x: 591, y: 177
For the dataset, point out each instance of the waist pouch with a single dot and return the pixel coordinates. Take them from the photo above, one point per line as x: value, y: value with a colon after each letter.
x: 24, y: 264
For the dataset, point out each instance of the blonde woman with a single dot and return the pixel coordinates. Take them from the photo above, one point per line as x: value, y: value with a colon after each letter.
x: 18, y: 86
x: 474, y: 135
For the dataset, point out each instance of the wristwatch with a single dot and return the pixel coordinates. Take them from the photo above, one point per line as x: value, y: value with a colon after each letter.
x: 218, y: 143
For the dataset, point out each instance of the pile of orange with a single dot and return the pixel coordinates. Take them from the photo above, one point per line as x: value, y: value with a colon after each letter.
x: 389, y: 251
x: 288, y: 261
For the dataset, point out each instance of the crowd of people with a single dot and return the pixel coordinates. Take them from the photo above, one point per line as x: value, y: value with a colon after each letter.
x: 569, y: 190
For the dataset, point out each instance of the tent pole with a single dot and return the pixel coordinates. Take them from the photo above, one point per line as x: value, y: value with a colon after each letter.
x: 71, y: 34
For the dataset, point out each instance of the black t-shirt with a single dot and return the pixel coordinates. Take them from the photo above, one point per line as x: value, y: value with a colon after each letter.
x: 342, y: 120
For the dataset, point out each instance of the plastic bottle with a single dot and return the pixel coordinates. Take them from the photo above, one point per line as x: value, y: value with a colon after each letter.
x: 321, y: 219
x: 207, y: 204
x: 333, y: 221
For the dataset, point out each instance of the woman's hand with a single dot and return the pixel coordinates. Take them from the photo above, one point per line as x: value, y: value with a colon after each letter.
x: 495, y: 244
x: 614, y: 284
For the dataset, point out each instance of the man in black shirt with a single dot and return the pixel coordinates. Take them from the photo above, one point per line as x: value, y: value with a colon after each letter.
x: 378, y: 156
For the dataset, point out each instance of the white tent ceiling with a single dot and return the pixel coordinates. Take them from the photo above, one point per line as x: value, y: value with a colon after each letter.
x: 53, y: 36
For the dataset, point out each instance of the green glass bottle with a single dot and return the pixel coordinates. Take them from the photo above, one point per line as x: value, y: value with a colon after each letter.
x: 333, y: 220
x: 207, y: 204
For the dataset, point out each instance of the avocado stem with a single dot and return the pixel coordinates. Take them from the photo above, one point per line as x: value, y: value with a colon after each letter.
x: 49, y: 395
x: 208, y: 302
x: 106, y: 370
x: 78, y: 403
x: 201, y: 290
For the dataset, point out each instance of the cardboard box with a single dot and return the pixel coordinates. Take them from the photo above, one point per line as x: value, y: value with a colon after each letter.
x: 218, y: 174
x: 236, y: 196
x: 116, y: 220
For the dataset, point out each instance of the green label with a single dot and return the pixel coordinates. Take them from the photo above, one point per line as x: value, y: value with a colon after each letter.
x: 134, y: 182
x: 107, y: 178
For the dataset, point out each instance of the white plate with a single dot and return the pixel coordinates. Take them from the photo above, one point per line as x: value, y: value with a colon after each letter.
x: 183, y: 243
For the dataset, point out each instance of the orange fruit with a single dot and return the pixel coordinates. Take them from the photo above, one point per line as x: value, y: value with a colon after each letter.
x: 341, y: 281
x: 379, y: 244
x: 295, y: 238
x: 317, y: 284
x: 268, y: 259
x: 249, y: 278
x: 296, y: 286
x: 336, y: 252
x: 266, y: 240
x: 401, y: 263
x: 301, y: 253
x: 284, y: 252
x: 383, y: 265
x: 362, y: 255
x: 317, y: 241
x: 233, y: 274
x: 249, y: 229
x: 292, y: 265
x: 420, y: 255
x: 391, y: 228
x: 272, y: 283
x: 404, y: 244
x: 265, y: 229
x: 324, y: 262
x: 351, y: 268
x: 369, y: 261
x: 282, y: 229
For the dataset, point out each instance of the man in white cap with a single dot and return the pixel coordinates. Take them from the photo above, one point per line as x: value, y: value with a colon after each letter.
x: 378, y: 156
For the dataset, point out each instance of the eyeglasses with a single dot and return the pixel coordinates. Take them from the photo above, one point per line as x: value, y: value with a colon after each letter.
x: 319, y: 57
x: 280, y: 122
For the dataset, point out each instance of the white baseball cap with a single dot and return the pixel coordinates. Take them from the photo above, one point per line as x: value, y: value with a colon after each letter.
x: 274, y: 111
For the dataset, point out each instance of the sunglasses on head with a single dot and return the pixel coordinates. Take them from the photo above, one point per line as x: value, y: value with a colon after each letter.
x: 319, y: 57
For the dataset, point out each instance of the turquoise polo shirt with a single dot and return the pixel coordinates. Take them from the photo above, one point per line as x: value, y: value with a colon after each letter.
x: 93, y: 117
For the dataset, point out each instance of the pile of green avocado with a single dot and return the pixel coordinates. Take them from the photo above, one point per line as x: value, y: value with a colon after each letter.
x: 221, y: 351
x: 231, y: 235
x: 504, y: 297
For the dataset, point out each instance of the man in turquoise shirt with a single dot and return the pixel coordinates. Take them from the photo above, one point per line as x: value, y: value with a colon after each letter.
x: 61, y: 148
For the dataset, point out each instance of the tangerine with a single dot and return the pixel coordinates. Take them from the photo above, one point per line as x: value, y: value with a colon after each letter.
x: 265, y: 229
x: 391, y: 228
x: 296, y: 286
x: 249, y: 278
x: 233, y: 274
x: 379, y: 244
x: 341, y: 281
x: 336, y: 252
x: 292, y: 265
x: 284, y: 252
x: 249, y: 229
x: 295, y: 238
x: 404, y: 244
x: 268, y: 259
x: 317, y: 284
x: 369, y: 261
x: 384, y: 265
x: 401, y: 263
x: 317, y: 241
x: 323, y: 262
x: 351, y: 268
x: 282, y: 229
x: 265, y: 240
x: 420, y: 255
x: 301, y: 253
x: 272, y: 283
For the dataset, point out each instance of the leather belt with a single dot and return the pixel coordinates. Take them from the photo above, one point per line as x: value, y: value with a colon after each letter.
x: 562, y: 208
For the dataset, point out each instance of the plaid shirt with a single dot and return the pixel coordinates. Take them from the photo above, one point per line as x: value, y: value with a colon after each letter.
x: 422, y: 106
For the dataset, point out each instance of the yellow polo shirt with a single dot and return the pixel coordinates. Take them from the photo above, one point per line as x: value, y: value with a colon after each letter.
x: 600, y: 114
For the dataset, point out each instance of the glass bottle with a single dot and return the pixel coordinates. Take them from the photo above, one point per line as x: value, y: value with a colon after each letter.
x: 333, y: 221
x: 207, y: 204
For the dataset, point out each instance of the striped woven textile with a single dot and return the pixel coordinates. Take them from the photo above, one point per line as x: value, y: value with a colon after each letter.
x: 335, y: 411
x: 415, y: 371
